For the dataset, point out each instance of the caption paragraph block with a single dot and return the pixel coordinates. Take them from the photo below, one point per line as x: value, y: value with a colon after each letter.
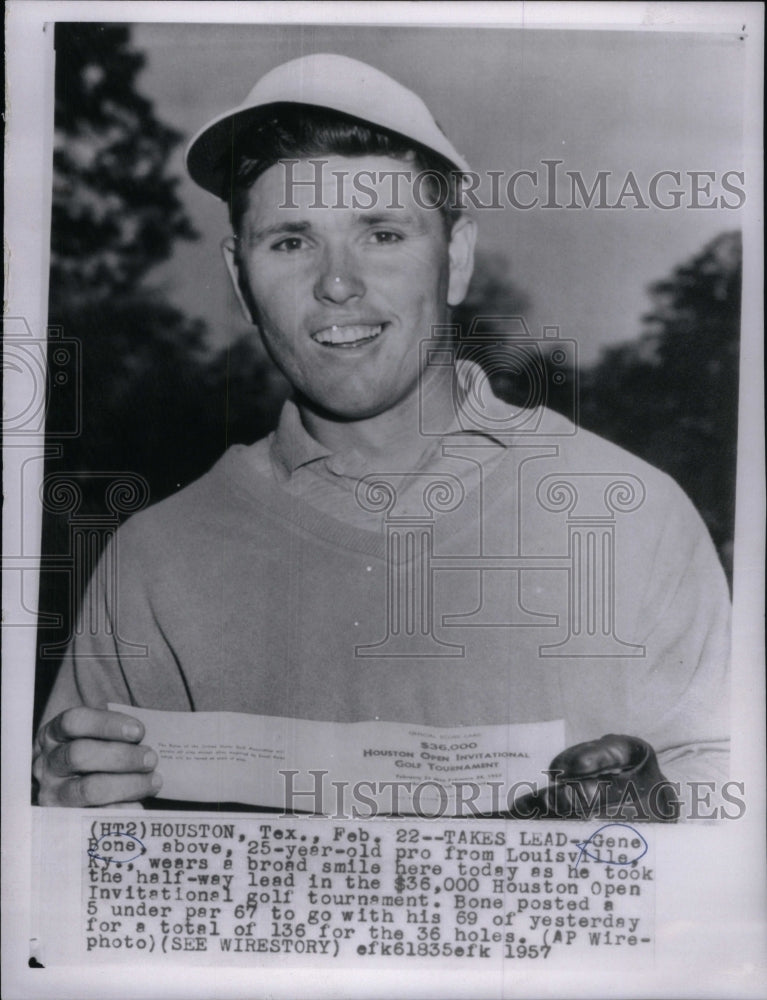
x: 215, y: 891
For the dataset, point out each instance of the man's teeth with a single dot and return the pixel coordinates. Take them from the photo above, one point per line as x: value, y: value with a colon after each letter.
x: 346, y: 334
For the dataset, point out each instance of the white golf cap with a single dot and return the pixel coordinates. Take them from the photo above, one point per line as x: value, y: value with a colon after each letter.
x: 322, y: 81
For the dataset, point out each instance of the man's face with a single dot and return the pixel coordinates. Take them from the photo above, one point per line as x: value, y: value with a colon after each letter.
x: 343, y: 296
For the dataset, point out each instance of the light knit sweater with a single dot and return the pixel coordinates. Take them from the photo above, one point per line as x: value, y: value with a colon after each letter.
x: 248, y: 598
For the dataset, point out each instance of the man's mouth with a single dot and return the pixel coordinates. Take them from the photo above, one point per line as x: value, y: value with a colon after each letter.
x: 347, y: 336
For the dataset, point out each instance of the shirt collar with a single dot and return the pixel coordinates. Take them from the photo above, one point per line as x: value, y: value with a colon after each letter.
x: 293, y: 446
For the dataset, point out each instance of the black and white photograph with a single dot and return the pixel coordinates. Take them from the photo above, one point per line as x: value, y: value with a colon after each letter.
x: 383, y: 463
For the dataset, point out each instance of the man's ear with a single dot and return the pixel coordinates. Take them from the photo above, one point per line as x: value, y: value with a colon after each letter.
x: 461, y: 251
x: 229, y: 250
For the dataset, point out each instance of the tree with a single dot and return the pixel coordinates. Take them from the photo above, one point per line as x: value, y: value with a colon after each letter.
x: 115, y: 216
x: 671, y: 396
x: 115, y: 209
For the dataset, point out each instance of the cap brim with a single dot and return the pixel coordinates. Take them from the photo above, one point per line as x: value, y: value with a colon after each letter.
x: 209, y: 157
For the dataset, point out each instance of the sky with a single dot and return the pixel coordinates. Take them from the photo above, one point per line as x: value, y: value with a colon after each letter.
x: 508, y: 99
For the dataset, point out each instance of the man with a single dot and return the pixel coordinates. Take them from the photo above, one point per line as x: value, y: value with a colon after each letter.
x: 267, y: 586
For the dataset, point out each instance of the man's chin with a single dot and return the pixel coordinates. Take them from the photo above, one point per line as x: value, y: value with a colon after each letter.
x: 346, y: 411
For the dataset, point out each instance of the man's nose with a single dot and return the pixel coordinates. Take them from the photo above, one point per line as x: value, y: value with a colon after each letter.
x: 339, y: 279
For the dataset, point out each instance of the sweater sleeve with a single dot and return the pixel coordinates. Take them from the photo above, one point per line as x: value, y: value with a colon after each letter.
x: 91, y: 673
x: 684, y: 623
x: 119, y: 651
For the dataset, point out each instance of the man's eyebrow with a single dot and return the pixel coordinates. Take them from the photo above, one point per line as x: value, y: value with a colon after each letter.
x: 394, y: 218
x: 280, y: 228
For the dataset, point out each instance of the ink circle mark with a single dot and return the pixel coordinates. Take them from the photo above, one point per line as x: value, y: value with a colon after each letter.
x: 585, y: 844
x: 124, y: 845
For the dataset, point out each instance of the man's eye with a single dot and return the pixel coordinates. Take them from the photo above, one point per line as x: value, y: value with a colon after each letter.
x: 385, y: 236
x: 289, y: 244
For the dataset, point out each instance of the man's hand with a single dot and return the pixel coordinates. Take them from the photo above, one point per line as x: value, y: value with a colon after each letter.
x: 89, y: 757
x: 616, y: 777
